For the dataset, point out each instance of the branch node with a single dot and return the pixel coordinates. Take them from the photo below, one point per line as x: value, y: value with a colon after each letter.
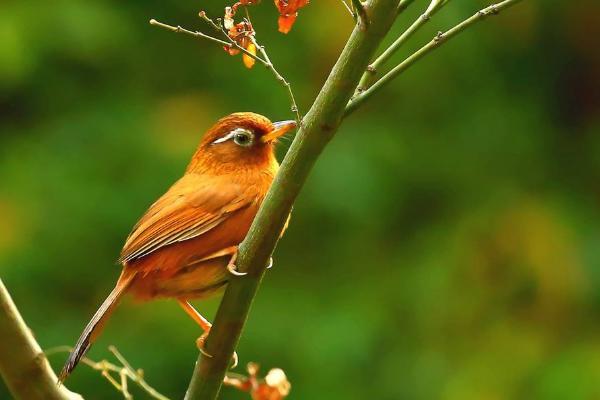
x: 360, y: 11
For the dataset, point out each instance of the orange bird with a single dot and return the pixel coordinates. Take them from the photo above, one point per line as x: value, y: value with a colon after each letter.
x: 184, y: 246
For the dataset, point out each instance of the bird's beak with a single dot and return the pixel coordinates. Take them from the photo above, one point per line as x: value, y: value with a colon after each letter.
x: 279, y: 129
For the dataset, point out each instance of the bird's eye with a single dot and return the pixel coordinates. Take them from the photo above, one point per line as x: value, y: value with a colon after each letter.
x: 243, y: 138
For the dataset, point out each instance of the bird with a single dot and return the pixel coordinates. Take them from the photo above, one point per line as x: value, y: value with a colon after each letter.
x: 184, y: 246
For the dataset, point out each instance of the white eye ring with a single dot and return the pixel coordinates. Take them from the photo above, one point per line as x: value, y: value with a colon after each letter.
x: 242, y: 137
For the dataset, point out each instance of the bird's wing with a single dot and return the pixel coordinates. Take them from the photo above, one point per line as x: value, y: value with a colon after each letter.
x: 193, y: 206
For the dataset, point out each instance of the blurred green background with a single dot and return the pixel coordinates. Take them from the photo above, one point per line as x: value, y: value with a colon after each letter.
x: 446, y: 246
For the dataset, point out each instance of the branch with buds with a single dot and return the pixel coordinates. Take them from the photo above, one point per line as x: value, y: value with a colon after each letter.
x: 238, y: 38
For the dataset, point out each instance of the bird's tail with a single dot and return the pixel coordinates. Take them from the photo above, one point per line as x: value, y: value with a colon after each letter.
x: 95, y: 326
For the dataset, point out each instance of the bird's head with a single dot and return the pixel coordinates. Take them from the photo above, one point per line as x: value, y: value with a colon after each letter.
x: 240, y: 140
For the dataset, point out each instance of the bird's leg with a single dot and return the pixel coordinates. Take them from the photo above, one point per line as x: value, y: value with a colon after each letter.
x: 205, y: 325
x: 200, y: 320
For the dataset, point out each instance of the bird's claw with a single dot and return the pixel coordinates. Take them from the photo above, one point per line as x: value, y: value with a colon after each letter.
x: 234, y: 359
x: 231, y: 267
x: 201, y: 343
x: 233, y: 270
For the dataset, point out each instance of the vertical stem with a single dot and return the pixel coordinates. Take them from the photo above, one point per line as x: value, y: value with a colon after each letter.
x: 319, y: 126
x: 23, y: 365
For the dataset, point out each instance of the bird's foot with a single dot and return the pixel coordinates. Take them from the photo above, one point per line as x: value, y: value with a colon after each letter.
x: 231, y: 267
x: 233, y: 270
x: 201, y: 344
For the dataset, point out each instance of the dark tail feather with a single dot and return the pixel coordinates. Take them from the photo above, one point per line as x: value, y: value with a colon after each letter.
x: 95, y: 326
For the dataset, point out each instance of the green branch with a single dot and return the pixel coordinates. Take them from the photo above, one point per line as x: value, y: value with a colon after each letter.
x: 438, y: 40
x: 23, y: 365
x: 372, y: 69
x: 403, y: 5
x: 318, y: 127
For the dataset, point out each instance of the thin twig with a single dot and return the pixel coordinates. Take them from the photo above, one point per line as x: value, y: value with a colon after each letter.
x: 373, y: 68
x: 121, y: 359
x: 231, y: 43
x: 265, y: 60
x: 124, y: 388
x: 437, y: 41
x: 279, y: 78
x: 349, y: 9
x: 111, y: 380
x: 138, y: 373
x: 196, y: 34
x: 125, y: 371
x: 179, y: 29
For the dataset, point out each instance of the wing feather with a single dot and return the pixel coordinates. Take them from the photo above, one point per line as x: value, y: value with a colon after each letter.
x: 192, y: 207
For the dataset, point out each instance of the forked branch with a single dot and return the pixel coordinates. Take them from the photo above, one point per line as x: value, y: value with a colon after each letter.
x: 125, y: 372
x: 437, y: 41
x: 373, y: 68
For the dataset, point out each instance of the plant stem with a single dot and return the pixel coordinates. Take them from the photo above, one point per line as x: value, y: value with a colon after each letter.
x: 373, y: 68
x: 437, y: 41
x: 319, y: 126
x: 229, y: 43
x: 200, y: 35
x: 126, y: 371
x: 23, y: 365
x: 179, y: 29
x: 349, y: 9
x: 280, y: 78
